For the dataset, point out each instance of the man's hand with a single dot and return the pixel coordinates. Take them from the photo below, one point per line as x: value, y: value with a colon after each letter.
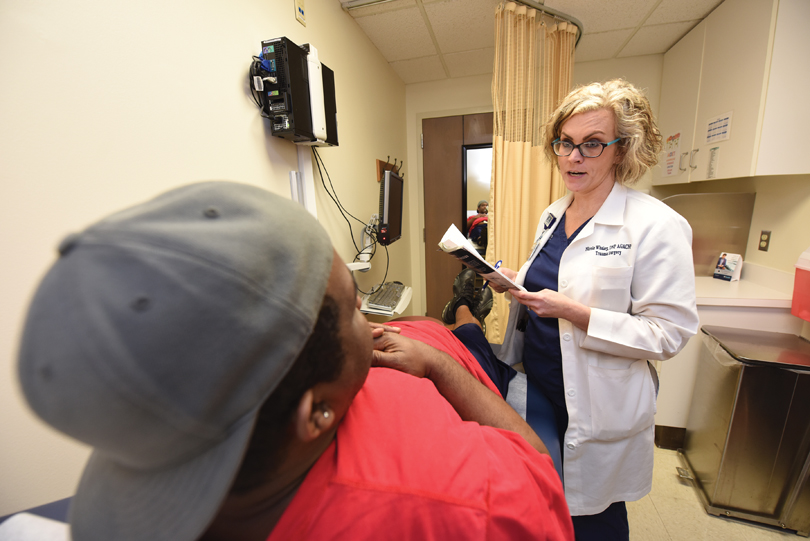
x: 377, y: 329
x: 471, y: 399
x: 404, y: 354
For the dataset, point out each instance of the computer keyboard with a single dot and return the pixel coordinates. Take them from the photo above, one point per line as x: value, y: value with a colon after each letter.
x: 387, y: 297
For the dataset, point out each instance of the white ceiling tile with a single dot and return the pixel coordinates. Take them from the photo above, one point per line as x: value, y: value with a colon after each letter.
x: 462, y: 25
x: 467, y: 63
x: 670, y: 11
x: 399, y: 35
x: 602, y: 15
x: 383, y: 7
x: 464, y: 29
x: 655, y: 39
x: 419, y: 70
x: 600, y: 46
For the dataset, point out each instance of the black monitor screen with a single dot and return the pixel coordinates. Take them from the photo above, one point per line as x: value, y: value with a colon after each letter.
x: 390, y: 228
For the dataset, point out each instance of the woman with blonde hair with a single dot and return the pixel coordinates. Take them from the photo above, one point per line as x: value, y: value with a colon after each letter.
x: 610, y: 285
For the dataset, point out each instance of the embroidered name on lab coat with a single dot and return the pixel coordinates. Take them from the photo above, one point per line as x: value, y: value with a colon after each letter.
x: 613, y: 249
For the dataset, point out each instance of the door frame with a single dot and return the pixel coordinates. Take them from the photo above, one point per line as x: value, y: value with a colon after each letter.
x: 419, y: 300
x: 475, y: 132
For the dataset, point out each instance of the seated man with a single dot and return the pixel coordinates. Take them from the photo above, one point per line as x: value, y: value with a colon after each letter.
x: 482, y: 210
x: 476, y: 228
x: 208, y: 345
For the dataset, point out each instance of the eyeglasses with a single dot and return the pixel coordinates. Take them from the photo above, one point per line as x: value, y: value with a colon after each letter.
x: 588, y: 149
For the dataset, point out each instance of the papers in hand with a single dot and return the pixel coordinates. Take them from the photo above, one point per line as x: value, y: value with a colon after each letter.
x: 454, y: 243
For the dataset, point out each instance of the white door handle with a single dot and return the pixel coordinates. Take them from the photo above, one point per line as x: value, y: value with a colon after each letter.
x: 680, y: 162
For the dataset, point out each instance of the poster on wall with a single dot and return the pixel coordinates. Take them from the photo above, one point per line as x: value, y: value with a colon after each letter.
x: 718, y: 128
x: 672, y: 150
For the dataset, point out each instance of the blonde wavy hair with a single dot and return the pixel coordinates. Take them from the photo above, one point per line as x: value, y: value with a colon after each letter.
x: 641, y: 141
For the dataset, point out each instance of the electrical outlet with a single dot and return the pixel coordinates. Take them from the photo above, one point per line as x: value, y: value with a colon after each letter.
x: 764, y: 240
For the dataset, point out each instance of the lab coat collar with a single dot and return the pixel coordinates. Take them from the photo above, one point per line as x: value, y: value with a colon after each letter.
x: 610, y: 213
x: 612, y: 210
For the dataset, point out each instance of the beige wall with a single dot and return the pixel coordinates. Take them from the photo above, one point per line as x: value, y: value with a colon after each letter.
x: 104, y: 104
x: 782, y: 206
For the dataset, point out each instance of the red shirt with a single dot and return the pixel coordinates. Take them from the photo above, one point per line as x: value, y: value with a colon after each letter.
x: 405, y: 466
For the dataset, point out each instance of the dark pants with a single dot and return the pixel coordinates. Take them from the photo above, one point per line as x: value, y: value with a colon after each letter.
x: 609, y: 525
x: 474, y: 340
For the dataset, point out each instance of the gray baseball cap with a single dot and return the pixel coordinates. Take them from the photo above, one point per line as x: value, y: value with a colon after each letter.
x: 156, y: 337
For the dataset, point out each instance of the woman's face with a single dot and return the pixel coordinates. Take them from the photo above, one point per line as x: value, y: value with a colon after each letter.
x: 582, y: 175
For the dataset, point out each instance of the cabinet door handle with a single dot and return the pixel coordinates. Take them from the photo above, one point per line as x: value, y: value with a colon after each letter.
x: 680, y: 162
x: 692, y: 158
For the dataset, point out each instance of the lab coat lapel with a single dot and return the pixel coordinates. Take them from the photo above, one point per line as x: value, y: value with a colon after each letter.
x: 610, y: 213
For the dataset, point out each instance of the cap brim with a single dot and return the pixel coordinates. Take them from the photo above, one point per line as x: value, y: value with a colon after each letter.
x: 177, y: 504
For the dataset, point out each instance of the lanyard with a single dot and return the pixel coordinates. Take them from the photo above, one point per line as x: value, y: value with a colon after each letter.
x: 550, y: 221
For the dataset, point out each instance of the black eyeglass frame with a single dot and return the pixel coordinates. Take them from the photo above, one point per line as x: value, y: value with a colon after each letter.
x: 577, y: 147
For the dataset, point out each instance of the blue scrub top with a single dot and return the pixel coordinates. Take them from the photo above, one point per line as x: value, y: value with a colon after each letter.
x: 542, y: 358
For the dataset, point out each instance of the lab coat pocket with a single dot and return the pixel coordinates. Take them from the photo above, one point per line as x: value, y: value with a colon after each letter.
x: 610, y: 288
x: 622, y: 401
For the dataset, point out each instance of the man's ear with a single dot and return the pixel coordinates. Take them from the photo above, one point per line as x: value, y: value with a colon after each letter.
x: 312, y: 418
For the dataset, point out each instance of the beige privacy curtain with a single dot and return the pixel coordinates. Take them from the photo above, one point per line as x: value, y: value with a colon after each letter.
x: 534, y: 57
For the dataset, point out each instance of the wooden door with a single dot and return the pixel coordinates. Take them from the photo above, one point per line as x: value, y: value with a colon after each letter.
x: 443, y: 140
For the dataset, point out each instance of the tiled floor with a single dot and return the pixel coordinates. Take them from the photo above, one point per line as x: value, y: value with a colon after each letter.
x: 672, y: 512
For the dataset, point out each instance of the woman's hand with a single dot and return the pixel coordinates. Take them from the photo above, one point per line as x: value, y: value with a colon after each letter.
x: 509, y: 273
x: 548, y: 303
x: 377, y: 329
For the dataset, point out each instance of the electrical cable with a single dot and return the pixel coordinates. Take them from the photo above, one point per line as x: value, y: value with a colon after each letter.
x: 370, y: 231
x: 257, y: 71
x: 340, y: 207
x: 318, y: 158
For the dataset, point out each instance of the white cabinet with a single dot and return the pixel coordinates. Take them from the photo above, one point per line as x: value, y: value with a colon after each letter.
x: 787, y: 110
x: 680, y: 86
x: 731, y: 89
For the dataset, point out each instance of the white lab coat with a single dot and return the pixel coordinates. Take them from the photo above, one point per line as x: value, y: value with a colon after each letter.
x: 632, y: 264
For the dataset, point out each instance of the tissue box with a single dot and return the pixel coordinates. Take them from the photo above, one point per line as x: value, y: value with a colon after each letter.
x: 801, y: 287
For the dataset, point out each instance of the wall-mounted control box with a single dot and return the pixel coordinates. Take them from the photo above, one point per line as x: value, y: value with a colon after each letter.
x: 297, y: 93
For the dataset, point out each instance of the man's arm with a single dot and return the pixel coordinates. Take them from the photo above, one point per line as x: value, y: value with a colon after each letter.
x: 469, y: 397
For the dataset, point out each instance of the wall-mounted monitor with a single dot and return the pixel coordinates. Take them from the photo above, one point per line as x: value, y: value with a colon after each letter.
x: 390, y: 224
